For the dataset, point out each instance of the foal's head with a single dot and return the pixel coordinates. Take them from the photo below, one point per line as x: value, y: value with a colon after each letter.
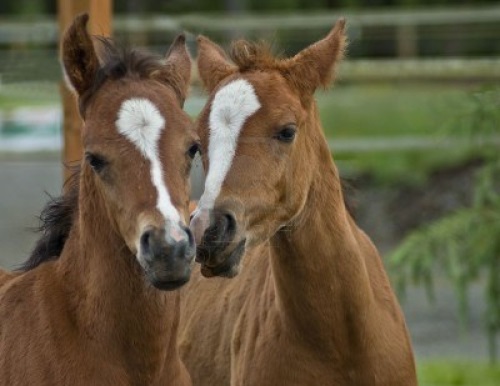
x: 261, y: 137
x: 138, y: 147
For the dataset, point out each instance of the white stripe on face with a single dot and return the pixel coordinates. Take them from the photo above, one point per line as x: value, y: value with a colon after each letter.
x: 141, y: 123
x: 231, y: 107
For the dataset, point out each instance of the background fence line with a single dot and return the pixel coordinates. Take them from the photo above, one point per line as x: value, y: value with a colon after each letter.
x: 407, y: 28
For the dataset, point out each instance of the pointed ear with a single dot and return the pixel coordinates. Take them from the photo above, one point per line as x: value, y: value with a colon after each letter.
x: 213, y: 65
x: 315, y: 65
x: 79, y: 59
x: 177, y: 69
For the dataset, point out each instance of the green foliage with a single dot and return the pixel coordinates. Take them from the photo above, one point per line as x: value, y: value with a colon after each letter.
x: 25, y: 7
x: 458, y: 374
x: 466, y: 243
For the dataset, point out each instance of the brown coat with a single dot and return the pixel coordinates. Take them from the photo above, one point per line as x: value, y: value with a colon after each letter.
x: 310, y: 303
x: 87, y: 308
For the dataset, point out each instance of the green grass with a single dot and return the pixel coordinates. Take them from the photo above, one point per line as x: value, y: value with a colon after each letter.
x: 410, y: 167
x: 452, y: 373
x: 28, y: 95
x: 352, y: 111
x: 398, y: 110
x: 390, y: 110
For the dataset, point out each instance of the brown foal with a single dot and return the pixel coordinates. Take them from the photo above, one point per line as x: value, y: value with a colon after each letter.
x: 310, y: 303
x: 90, y: 306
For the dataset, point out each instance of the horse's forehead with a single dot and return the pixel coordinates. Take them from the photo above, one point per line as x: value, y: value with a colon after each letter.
x: 232, y: 105
x: 140, y: 121
x: 116, y: 97
x: 243, y: 96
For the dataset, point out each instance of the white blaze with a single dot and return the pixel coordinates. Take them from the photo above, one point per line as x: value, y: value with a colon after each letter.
x: 140, y: 121
x: 231, y: 107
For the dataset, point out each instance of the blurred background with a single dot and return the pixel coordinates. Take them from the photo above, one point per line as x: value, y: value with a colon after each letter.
x: 413, y: 121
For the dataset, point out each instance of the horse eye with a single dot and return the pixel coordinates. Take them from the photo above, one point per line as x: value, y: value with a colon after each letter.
x: 193, y: 149
x: 286, y: 134
x: 96, y: 162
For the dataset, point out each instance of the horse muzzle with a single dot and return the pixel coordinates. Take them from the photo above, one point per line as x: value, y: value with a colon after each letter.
x: 220, y: 246
x: 166, y: 255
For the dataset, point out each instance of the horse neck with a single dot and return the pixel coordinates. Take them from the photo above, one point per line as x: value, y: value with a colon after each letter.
x: 318, y: 261
x: 109, y: 299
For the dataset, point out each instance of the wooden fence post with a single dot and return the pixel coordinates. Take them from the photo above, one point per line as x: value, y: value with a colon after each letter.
x: 407, y: 41
x: 100, y: 12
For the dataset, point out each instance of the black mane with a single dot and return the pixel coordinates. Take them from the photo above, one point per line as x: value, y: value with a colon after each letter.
x: 118, y: 62
x: 56, y: 220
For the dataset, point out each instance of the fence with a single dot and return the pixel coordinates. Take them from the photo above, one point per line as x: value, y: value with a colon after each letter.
x: 28, y: 48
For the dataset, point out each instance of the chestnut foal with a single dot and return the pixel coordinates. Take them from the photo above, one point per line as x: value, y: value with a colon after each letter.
x: 312, y: 304
x: 98, y: 313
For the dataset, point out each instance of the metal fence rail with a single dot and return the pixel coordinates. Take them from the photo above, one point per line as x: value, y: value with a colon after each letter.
x: 428, y: 70
x: 46, y: 30
x: 407, y: 27
x: 438, y: 43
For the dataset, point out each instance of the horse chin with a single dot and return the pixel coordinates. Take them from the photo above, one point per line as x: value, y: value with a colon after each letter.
x: 220, y: 271
x: 170, y: 285
x: 168, y: 281
x: 230, y: 267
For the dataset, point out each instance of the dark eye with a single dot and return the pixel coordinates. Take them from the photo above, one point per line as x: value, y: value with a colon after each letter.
x: 193, y: 149
x: 96, y: 162
x: 286, y: 134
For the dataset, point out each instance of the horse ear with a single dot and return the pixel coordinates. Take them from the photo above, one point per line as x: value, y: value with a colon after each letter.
x: 213, y: 65
x: 315, y: 65
x: 177, y: 69
x: 79, y: 58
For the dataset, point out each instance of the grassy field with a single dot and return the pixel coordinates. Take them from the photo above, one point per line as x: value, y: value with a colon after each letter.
x: 450, y: 373
x: 407, y: 167
x: 346, y: 111
x: 389, y: 110
x: 359, y: 112
x: 28, y: 95
x: 398, y: 111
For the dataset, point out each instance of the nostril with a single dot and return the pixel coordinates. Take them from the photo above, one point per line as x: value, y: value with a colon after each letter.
x: 146, y: 242
x: 230, y: 223
x: 223, y: 229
